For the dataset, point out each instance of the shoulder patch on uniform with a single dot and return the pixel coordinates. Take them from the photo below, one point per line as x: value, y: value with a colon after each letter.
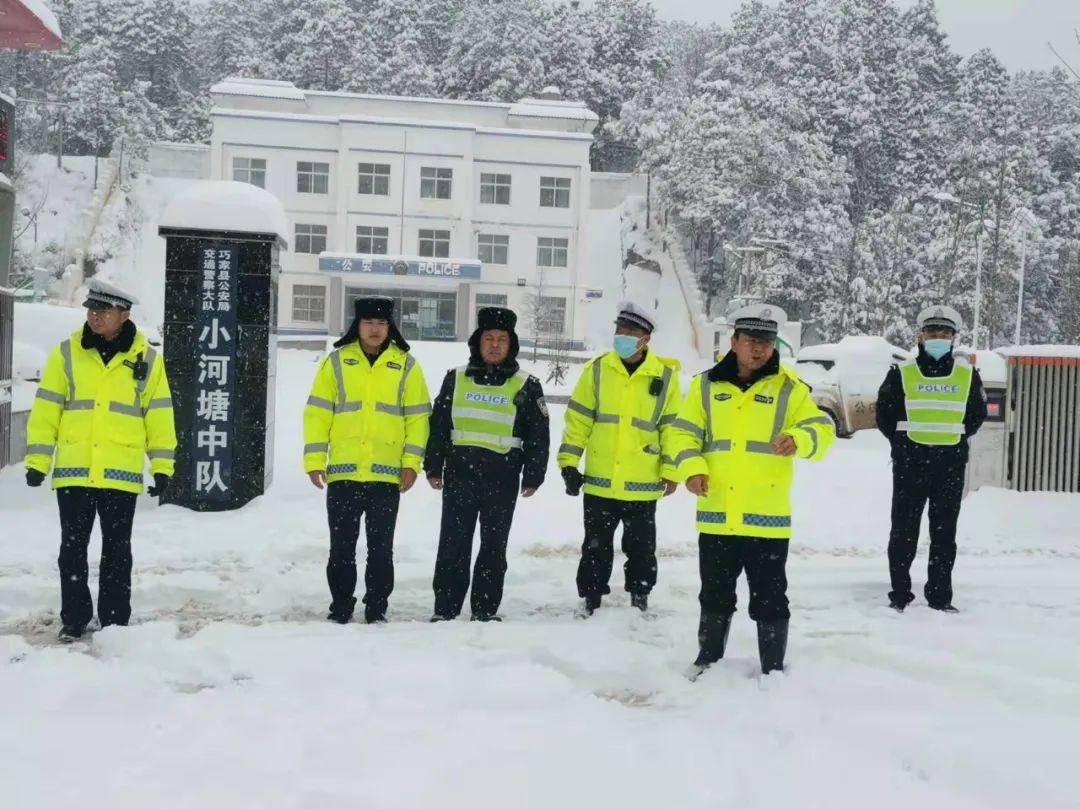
x: 351, y: 361
x: 542, y: 404
x: 722, y: 397
x: 394, y: 365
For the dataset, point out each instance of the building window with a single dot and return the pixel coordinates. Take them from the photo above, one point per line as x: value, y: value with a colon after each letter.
x: 435, y: 183
x: 249, y: 170
x: 312, y: 178
x: 493, y: 249
x: 551, y: 317
x: 486, y: 299
x: 308, y: 304
x: 374, y: 179
x: 554, y: 192
x: 435, y: 243
x: 551, y: 252
x: 495, y: 189
x: 310, y: 238
x: 372, y: 240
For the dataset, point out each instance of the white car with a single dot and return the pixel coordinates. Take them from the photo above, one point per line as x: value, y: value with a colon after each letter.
x: 845, y: 377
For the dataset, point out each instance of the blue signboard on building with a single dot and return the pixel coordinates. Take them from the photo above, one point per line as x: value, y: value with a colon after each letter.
x: 416, y: 267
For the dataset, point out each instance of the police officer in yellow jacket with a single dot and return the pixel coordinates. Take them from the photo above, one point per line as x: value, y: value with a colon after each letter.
x: 740, y: 428
x: 365, y: 430
x: 103, y: 407
x: 619, y: 417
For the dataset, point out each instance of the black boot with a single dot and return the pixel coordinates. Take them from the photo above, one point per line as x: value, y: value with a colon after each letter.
x: 639, y: 601
x: 772, y: 643
x: 713, y: 630
x: 69, y: 634
x: 592, y: 604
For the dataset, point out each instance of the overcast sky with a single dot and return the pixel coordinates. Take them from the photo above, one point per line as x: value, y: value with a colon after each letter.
x: 1016, y: 30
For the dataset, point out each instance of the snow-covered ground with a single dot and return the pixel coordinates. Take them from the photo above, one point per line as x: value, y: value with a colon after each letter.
x: 230, y: 690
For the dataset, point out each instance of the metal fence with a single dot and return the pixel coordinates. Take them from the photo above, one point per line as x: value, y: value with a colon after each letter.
x: 1043, y: 424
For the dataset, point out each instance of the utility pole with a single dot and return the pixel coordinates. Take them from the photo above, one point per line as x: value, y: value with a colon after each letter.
x: 978, y: 284
x: 1020, y: 295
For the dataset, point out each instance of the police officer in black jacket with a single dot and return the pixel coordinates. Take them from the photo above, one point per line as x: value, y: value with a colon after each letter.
x: 489, y: 436
x: 928, y: 408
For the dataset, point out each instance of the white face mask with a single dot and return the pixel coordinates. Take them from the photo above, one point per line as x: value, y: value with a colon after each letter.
x: 938, y: 347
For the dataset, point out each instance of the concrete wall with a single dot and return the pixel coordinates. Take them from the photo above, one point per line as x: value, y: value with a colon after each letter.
x: 184, y: 160
x: 609, y: 189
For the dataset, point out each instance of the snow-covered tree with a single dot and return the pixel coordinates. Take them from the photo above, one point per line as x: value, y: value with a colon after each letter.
x: 495, y: 52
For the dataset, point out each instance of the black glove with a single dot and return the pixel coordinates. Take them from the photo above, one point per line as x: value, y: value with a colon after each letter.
x: 573, y: 479
x: 161, y: 483
x: 34, y: 478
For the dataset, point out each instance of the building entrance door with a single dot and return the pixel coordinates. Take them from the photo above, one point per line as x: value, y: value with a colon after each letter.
x: 420, y: 315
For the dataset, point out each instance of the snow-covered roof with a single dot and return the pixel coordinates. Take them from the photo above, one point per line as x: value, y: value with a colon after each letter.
x: 262, y: 88
x: 227, y: 205
x: 1041, y: 351
x: 532, y: 133
x: 28, y: 25
x: 43, y: 13
x: 417, y: 99
x: 855, y: 345
x: 546, y: 108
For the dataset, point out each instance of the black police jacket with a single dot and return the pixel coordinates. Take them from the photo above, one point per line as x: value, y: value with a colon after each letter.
x: 530, y: 425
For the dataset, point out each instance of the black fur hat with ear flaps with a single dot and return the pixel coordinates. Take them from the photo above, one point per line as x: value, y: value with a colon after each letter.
x: 489, y: 318
x: 372, y: 308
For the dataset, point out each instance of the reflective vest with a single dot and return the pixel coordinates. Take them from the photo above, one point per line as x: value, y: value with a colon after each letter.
x: 727, y: 434
x: 935, y: 404
x: 621, y: 423
x: 483, y: 415
x: 366, y: 422
x: 101, y: 422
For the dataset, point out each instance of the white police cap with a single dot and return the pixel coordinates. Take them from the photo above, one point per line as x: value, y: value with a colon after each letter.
x: 103, y: 295
x: 636, y: 315
x: 759, y: 317
x: 940, y: 317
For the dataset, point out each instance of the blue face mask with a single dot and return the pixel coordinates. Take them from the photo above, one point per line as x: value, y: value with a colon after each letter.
x: 626, y: 345
x: 938, y: 348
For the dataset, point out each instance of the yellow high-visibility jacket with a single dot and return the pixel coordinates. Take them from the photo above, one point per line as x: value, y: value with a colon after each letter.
x: 101, y: 422
x: 727, y: 434
x: 371, y: 420
x: 621, y: 423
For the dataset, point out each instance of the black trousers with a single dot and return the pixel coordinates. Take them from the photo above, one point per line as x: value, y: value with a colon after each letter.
x: 346, y: 502
x: 722, y: 558
x: 602, y: 517
x: 116, y: 512
x: 466, y: 499
x: 942, y: 484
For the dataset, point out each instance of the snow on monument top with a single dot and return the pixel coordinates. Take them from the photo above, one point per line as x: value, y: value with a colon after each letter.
x: 227, y: 205
x: 1054, y: 351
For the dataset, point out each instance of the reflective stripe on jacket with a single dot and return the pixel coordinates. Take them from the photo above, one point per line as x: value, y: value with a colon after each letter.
x: 366, y: 422
x: 101, y: 422
x: 727, y: 434
x: 621, y: 423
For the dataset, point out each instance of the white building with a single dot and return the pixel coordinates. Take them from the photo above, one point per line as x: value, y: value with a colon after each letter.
x: 444, y: 205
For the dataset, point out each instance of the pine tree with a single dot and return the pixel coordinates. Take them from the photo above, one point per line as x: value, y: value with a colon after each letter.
x: 565, y: 49
x: 495, y: 53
